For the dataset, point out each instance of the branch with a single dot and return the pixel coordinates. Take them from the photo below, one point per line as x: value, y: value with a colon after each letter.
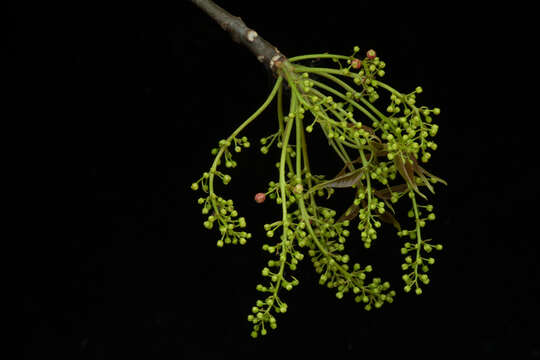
x: 265, y: 52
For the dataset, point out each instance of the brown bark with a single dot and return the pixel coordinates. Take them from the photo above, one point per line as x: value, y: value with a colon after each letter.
x: 265, y: 52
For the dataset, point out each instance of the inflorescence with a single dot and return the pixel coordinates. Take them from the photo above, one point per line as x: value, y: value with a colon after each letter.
x: 377, y: 147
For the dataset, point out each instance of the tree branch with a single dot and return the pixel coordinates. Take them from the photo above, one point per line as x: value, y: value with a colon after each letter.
x: 265, y: 52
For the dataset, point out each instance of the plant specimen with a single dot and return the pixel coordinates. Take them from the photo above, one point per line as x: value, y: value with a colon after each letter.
x: 380, y: 149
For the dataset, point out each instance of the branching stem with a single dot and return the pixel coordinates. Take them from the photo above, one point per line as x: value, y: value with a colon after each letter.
x: 265, y: 52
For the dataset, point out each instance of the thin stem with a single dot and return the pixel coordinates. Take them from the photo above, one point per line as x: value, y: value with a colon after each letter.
x: 280, y: 120
x: 348, y: 88
x: 418, y: 234
x: 238, y: 130
x: 282, y: 185
x: 318, y: 56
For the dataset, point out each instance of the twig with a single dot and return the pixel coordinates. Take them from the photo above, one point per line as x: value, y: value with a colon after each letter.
x: 265, y: 52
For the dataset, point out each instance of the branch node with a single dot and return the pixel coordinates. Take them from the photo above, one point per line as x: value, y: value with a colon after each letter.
x: 251, y: 35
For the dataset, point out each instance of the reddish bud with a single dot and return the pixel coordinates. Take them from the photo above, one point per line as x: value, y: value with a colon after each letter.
x: 371, y: 54
x: 356, y: 64
x: 260, y: 197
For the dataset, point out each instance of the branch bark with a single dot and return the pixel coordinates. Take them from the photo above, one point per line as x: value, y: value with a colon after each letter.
x: 265, y: 52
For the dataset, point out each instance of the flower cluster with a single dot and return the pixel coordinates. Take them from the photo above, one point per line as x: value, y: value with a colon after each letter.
x: 218, y: 210
x: 415, y: 265
x: 380, y: 151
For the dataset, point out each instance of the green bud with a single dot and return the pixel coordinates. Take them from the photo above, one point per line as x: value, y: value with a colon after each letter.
x: 368, y: 268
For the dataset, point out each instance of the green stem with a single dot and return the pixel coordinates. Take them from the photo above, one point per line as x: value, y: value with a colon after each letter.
x: 347, y: 87
x: 321, y: 70
x: 236, y: 132
x: 368, y: 180
x: 282, y: 186
x: 318, y: 56
x: 280, y: 108
x: 418, y: 235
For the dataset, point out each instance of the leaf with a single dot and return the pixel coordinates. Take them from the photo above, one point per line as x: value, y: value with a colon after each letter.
x: 389, y: 219
x: 347, y: 180
x: 350, y: 214
x: 386, y: 194
x: 420, y: 169
x: 353, y: 210
x: 406, y: 170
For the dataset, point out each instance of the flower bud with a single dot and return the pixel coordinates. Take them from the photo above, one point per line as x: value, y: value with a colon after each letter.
x: 356, y: 64
x: 260, y: 197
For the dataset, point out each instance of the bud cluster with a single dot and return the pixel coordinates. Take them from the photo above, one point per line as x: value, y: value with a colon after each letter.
x: 377, y: 148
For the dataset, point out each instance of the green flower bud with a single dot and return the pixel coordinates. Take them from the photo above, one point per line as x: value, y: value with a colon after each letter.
x: 368, y: 268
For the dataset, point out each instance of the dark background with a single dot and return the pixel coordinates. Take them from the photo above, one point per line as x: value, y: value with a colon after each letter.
x: 126, y: 101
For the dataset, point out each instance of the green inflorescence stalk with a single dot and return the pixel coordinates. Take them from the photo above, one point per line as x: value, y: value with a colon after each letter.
x: 380, y: 152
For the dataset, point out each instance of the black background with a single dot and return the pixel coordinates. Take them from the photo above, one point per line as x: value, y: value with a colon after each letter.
x: 129, y: 99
